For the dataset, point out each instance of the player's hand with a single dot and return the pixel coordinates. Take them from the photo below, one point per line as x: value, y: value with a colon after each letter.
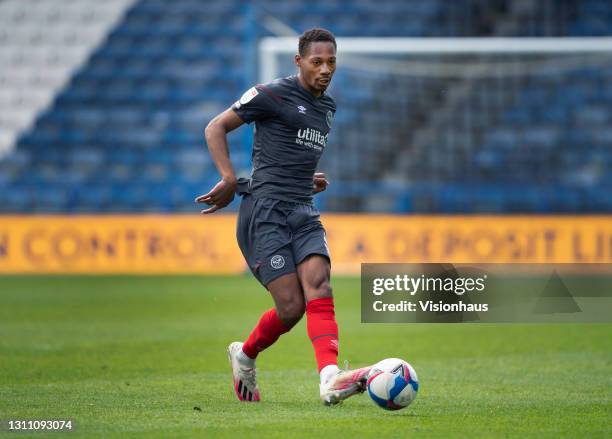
x: 320, y: 183
x: 219, y: 196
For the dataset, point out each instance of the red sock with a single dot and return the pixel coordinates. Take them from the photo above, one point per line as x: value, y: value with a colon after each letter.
x: 323, y: 330
x: 264, y: 334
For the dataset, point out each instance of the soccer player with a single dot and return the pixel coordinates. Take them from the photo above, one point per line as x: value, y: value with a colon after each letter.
x: 278, y: 230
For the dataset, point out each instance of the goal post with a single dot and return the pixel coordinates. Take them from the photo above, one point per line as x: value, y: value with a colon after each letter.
x: 466, y: 124
x: 271, y: 47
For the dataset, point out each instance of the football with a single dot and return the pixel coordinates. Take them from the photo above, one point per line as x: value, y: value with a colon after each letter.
x: 393, y: 384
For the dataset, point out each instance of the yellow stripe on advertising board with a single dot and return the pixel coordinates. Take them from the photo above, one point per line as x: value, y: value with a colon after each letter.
x: 468, y: 239
x: 207, y: 244
x: 119, y: 244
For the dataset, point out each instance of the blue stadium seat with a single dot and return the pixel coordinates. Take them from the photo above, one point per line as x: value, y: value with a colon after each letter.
x: 130, y: 121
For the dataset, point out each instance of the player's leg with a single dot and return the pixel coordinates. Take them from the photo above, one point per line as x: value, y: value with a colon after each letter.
x: 288, y: 310
x: 314, y: 276
x: 262, y: 238
x: 336, y: 385
x: 310, y: 250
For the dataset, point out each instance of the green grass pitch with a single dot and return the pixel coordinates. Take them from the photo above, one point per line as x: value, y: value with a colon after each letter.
x: 134, y: 356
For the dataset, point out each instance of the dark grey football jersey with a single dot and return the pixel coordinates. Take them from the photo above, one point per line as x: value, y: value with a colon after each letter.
x: 291, y: 129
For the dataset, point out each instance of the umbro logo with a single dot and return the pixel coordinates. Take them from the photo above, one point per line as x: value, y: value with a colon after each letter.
x: 302, y: 109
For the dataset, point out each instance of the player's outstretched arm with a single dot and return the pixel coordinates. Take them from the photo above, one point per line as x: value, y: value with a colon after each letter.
x: 320, y: 182
x: 216, y: 138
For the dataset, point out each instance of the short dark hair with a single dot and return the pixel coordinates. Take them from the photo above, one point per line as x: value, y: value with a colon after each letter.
x: 314, y: 35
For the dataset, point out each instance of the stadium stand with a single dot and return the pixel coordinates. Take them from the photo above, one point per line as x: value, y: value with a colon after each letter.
x: 125, y: 133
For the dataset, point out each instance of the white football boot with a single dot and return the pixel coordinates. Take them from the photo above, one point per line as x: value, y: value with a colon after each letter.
x: 245, y: 383
x: 344, y: 384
